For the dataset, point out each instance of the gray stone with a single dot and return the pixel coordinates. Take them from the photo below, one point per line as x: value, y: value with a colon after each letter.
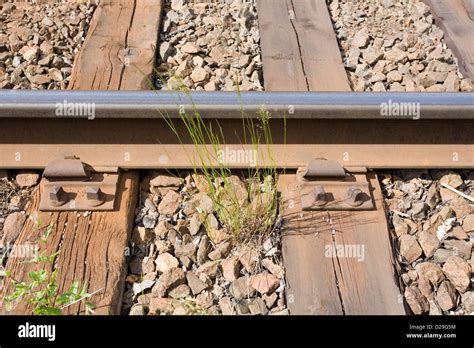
x: 264, y: 283
x: 161, y: 180
x: 142, y: 286
x: 55, y: 74
x: 409, y: 248
x: 227, y: 308
x: 258, y: 307
x: 166, y: 50
x: 221, y: 251
x: 446, y: 296
x: 29, y: 52
x: 417, y: 302
x: 277, y: 270
x: 180, y: 292
x: 429, y: 242
x: 199, y: 74
x: 468, y: 223
x: 452, y: 179
x: 248, y: 257
x: 395, y: 55
x: 170, y: 203
x: 186, y: 250
x: 231, y: 268
x: 442, y: 255
x: 394, y: 76
x: 149, y: 220
x: 241, y: 288
x: 431, y: 271
x: 196, y: 284
x: 26, y: 179
x: 242, y: 308
x: 361, y: 39
x: 47, y: 21
x: 460, y: 248
x: 467, y: 300
x: 432, y: 196
x: 12, y: 227
x: 168, y: 280
x: 138, y: 309
x: 422, y: 26
x: 426, y: 80
x: 418, y: 209
x: 435, y: 308
x: 148, y: 265
x: 205, y: 299
x: 281, y: 312
x: 190, y: 48
x: 270, y: 300
x: 16, y: 61
x: 203, y: 250
x: 165, y: 262
x: 161, y: 230
x: 195, y: 224
x: 210, y: 268
x: 459, y: 233
x: 458, y: 271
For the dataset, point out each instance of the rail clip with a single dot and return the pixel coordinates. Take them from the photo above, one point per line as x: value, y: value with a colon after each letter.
x: 326, y: 185
x: 70, y: 185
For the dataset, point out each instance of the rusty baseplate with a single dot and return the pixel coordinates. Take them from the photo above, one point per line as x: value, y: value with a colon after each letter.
x: 69, y: 185
x: 336, y: 246
x: 325, y: 185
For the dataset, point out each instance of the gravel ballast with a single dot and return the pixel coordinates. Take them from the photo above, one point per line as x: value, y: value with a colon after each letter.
x: 181, y: 265
x: 394, y: 45
x: 211, y: 46
x: 433, y: 234
x: 38, y: 43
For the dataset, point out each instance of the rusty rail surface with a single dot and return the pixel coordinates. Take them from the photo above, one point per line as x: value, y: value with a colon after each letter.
x: 128, y: 129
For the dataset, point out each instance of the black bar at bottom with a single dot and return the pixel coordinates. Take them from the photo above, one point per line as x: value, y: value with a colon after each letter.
x: 292, y: 331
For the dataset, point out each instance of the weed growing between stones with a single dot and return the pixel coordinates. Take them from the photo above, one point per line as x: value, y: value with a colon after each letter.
x: 248, y: 212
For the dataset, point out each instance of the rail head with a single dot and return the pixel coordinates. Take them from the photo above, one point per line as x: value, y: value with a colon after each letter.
x: 232, y: 105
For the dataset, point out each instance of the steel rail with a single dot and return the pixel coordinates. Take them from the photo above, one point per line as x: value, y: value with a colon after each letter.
x: 229, y: 105
x: 129, y: 131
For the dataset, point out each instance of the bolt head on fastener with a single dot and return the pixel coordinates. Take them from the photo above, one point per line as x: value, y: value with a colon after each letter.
x: 354, y: 196
x: 95, y: 196
x: 57, y: 196
x: 319, y: 196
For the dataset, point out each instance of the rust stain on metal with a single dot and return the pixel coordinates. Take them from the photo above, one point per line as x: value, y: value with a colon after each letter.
x: 67, y: 186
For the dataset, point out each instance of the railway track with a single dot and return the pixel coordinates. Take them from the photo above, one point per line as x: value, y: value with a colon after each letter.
x: 345, y: 127
x: 109, y: 124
